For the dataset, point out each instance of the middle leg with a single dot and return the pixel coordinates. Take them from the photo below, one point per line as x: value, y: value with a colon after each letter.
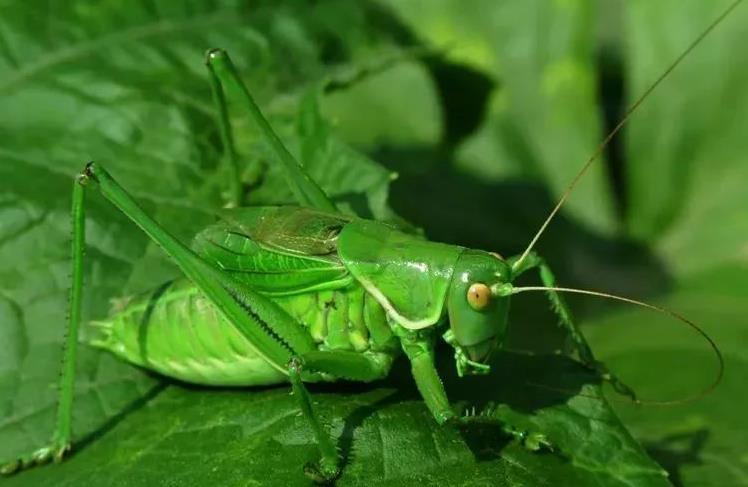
x: 341, y: 364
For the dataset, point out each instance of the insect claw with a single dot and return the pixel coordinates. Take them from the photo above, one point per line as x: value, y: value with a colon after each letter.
x: 100, y: 325
x: 295, y: 364
x: 10, y: 467
x: 321, y: 472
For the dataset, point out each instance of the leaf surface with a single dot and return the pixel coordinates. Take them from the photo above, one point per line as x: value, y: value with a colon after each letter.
x: 127, y: 87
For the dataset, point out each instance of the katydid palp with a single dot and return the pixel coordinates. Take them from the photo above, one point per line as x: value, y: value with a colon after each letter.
x: 303, y: 294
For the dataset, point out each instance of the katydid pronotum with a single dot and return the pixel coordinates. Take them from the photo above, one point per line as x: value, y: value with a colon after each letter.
x: 254, y: 281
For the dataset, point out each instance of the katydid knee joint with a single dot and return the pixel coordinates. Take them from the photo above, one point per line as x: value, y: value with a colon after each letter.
x: 213, y: 53
x: 295, y: 365
x: 88, y: 174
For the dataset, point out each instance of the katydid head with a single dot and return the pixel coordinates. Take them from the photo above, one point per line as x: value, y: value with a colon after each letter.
x: 477, y: 314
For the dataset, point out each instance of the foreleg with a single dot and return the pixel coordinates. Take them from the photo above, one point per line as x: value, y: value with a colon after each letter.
x: 420, y: 352
x: 559, y: 306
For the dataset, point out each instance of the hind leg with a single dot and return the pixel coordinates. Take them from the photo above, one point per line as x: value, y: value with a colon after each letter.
x: 59, y: 444
x: 225, y: 78
x: 231, y: 159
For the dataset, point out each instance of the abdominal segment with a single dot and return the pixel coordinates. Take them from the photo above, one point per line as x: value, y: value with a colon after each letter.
x: 176, y: 331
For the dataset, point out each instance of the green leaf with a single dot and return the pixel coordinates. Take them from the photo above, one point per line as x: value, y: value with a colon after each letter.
x: 183, y: 436
x: 126, y: 87
x: 699, y: 442
x: 541, y: 121
x: 125, y: 84
x: 686, y: 165
x: 363, y: 113
x: 701, y: 157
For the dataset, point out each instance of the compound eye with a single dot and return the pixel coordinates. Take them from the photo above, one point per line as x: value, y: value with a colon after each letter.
x: 478, y: 296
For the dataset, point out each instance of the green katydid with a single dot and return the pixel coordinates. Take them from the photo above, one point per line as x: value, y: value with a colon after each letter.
x: 307, y: 294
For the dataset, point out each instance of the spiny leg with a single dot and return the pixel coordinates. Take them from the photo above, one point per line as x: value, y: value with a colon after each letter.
x: 341, y: 364
x: 231, y: 159
x: 307, y: 192
x: 60, y: 442
x: 419, y: 351
x: 328, y: 467
x: 274, y: 334
x: 561, y: 309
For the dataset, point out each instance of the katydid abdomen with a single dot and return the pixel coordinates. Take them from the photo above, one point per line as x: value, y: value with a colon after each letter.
x: 176, y: 331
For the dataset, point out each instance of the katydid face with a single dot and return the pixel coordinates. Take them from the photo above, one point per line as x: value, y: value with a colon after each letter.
x: 477, y: 318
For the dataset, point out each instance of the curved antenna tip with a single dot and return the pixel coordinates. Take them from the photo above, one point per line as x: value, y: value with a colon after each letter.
x: 717, y: 353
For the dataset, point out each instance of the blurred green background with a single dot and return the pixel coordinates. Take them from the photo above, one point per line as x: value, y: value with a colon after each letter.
x: 484, y: 111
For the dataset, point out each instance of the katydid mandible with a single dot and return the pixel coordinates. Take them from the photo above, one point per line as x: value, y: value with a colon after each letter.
x: 299, y: 294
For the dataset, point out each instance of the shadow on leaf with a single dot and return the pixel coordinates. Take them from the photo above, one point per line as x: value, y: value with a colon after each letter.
x: 113, y: 421
x: 678, y: 450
